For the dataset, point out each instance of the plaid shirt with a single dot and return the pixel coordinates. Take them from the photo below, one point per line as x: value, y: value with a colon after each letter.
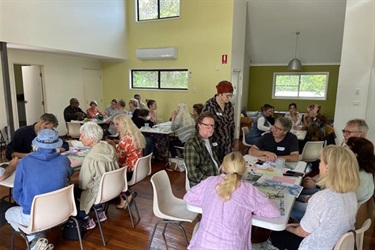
x: 199, y: 163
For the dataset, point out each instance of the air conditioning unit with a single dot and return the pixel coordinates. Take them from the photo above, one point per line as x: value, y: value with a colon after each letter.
x: 168, y: 53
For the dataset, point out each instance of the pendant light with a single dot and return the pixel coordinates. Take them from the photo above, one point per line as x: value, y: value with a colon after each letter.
x: 295, y: 64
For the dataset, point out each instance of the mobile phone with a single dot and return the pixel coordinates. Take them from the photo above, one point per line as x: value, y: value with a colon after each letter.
x: 293, y: 173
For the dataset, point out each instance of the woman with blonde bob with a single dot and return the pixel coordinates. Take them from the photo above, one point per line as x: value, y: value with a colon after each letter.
x: 331, y: 212
x: 228, y: 203
x: 129, y: 148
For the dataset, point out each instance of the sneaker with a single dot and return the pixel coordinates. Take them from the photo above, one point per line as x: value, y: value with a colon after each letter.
x: 33, y: 242
x: 89, y: 224
x: 102, y: 217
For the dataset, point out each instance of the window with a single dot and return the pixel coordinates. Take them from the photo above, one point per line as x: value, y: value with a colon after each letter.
x: 157, y: 9
x: 159, y: 79
x: 300, y: 85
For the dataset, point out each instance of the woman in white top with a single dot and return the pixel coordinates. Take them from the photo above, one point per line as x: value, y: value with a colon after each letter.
x: 151, y: 104
x: 331, y: 212
x: 294, y: 116
x: 364, y: 150
x: 260, y: 125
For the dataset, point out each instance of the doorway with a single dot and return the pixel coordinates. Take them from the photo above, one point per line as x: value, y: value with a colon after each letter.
x: 29, y: 92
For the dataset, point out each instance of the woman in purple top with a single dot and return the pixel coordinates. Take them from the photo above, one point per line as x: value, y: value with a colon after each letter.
x: 228, y: 204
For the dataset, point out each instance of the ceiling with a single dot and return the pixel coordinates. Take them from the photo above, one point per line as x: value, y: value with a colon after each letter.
x: 272, y: 26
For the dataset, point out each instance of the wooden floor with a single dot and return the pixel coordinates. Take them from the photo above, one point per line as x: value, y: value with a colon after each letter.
x: 120, y: 235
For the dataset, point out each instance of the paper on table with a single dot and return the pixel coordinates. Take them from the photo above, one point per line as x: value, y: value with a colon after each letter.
x: 77, y: 144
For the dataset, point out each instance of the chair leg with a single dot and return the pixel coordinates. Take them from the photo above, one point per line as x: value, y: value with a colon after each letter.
x: 23, y: 236
x: 133, y: 201
x: 183, y: 232
x: 165, y: 227
x: 152, y: 235
x: 100, y: 226
x: 78, y: 231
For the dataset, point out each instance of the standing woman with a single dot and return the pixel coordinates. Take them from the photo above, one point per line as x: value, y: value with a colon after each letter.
x: 260, y: 125
x: 223, y: 111
x: 229, y: 204
x: 331, y: 212
x: 151, y: 104
x: 129, y: 148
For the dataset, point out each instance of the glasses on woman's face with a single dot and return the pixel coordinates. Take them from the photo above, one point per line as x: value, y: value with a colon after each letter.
x: 349, y: 132
x: 277, y: 195
x: 208, y: 126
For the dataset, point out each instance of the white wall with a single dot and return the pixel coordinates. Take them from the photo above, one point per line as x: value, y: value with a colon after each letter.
x: 63, y: 79
x: 357, y: 66
x: 86, y: 26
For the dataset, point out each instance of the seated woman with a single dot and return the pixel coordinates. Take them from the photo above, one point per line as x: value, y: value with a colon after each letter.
x: 331, y: 212
x: 129, y: 148
x: 197, y: 110
x: 100, y: 159
x: 93, y: 111
x: 134, y: 108
x: 294, y: 116
x: 260, y: 124
x: 315, y: 123
x: 151, y: 104
x: 184, y: 125
x: 226, y: 223
x: 278, y: 144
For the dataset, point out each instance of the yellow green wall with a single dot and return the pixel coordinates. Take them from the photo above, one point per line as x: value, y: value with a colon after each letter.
x: 260, y: 89
x: 202, y: 34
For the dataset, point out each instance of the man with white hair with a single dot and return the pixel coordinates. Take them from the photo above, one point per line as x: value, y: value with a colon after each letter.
x: 354, y: 128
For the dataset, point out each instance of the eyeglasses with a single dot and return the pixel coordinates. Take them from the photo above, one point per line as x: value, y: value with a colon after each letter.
x: 208, y: 125
x: 349, y: 132
x: 277, y: 128
x: 277, y: 195
x: 228, y: 95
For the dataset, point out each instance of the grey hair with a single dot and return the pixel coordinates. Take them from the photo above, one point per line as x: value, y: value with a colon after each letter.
x: 134, y: 102
x: 360, y: 123
x: 92, y: 131
x: 35, y: 148
x: 285, y: 122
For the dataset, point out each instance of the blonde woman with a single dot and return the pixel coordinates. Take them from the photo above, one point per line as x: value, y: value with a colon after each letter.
x: 331, y: 212
x: 183, y: 124
x: 129, y: 148
x: 228, y: 204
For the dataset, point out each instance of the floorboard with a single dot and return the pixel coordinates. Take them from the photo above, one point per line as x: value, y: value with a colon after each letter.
x: 120, y: 235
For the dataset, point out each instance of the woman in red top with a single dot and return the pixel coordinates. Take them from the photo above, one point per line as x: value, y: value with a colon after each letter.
x: 93, y: 111
x: 129, y: 148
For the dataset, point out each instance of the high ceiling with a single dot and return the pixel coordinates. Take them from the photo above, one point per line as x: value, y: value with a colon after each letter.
x: 272, y: 26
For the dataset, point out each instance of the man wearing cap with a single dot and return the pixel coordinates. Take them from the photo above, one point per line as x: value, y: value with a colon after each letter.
x: 20, y: 145
x: 42, y: 171
x: 73, y: 111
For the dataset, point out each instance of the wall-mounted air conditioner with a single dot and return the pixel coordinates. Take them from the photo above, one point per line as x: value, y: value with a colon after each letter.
x: 157, y: 53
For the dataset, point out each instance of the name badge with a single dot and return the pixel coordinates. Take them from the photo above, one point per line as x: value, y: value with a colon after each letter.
x: 219, y: 114
x: 280, y: 149
x: 214, y: 144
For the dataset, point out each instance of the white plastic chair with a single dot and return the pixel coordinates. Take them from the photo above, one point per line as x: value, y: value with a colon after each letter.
x: 347, y: 240
x: 311, y: 151
x: 245, y: 131
x: 73, y: 129
x: 49, y: 210
x: 167, y: 207
x: 111, y: 185
x: 141, y: 170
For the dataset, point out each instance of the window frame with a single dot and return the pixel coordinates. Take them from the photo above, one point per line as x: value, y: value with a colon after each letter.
x: 275, y: 74
x: 159, y: 82
x: 158, y: 16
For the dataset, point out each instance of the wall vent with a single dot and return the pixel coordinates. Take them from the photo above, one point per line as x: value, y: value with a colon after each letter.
x: 169, y: 53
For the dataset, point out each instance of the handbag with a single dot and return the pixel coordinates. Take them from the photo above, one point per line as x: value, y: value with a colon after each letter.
x: 70, y: 230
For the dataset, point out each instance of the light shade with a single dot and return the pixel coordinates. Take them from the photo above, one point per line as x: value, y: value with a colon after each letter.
x: 295, y: 64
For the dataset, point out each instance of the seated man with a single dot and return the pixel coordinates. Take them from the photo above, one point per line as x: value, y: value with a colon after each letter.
x: 200, y: 153
x: 73, y: 111
x: 354, y: 128
x: 280, y: 143
x: 20, y: 145
x: 7, y: 169
x: 42, y: 171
